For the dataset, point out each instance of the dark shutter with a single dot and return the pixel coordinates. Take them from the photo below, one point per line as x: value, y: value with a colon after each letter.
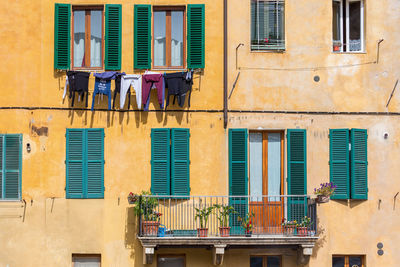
x: 195, y: 36
x: 113, y: 37
x: 75, y: 163
x: 142, y: 41
x: 339, y: 162
x: 12, y: 165
x: 180, y: 172
x: 160, y: 162
x: 359, y: 164
x: 95, y: 163
x: 1, y: 165
x: 62, y: 36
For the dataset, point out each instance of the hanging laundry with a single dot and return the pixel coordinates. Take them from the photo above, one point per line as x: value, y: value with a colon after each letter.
x: 127, y: 82
x: 102, y: 85
x: 117, y: 89
x: 78, y: 82
x: 179, y: 84
x: 148, y: 80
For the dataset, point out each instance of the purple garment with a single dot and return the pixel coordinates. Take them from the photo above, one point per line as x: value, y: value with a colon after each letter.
x: 147, y: 82
x: 108, y: 75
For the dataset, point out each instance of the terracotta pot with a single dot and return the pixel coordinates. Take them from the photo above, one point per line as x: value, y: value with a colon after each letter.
x: 150, y: 228
x: 224, y: 231
x: 289, y: 229
x: 322, y: 199
x: 248, y: 233
x: 302, y: 231
x: 202, y: 232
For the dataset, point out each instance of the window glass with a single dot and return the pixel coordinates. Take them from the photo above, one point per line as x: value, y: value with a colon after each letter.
x: 86, y: 261
x: 95, y: 38
x: 354, y: 261
x: 336, y: 21
x: 176, y: 38
x: 338, y: 262
x: 256, y: 166
x: 159, y: 38
x: 256, y: 261
x: 79, y: 38
x: 273, y: 261
x: 355, y: 25
x: 274, y: 166
x: 171, y: 262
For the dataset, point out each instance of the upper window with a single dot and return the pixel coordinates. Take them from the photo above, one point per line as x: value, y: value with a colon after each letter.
x: 267, y: 25
x: 265, y: 261
x: 10, y: 166
x: 348, y: 25
x: 348, y: 261
x: 169, y: 36
x: 87, y: 50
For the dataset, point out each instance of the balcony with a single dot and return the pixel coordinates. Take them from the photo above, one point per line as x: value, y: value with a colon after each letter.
x: 173, y: 221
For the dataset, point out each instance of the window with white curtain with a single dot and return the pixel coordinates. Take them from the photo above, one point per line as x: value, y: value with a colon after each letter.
x: 348, y: 25
x: 267, y: 25
x: 83, y: 260
x: 87, y: 37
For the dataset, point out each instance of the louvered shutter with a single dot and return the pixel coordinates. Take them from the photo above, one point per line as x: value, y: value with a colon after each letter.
x: 62, y: 36
x: 160, y: 162
x: 142, y: 41
x: 12, y: 166
x: 238, y: 177
x: 195, y: 36
x: 339, y: 162
x: 95, y: 163
x: 180, y: 172
x: 75, y: 163
x: 297, y: 173
x: 113, y: 33
x: 359, y: 164
x: 1, y: 166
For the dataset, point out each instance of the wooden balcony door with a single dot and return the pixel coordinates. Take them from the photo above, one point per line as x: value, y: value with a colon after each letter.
x: 266, y: 179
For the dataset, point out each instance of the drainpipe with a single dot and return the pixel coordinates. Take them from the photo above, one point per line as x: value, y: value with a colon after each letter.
x: 225, y: 63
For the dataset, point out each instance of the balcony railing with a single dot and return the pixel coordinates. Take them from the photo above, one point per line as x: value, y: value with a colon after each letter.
x: 175, y: 216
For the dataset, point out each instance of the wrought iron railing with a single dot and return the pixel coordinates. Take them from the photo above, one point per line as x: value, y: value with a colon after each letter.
x: 175, y: 216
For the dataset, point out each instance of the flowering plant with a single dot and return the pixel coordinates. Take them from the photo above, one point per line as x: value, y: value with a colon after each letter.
x: 132, y: 198
x: 288, y: 223
x: 325, y: 189
x: 305, y: 222
x: 246, y: 222
x: 145, y: 206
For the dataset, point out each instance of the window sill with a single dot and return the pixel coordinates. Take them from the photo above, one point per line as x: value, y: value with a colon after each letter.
x: 10, y: 200
x: 277, y: 51
x: 350, y: 53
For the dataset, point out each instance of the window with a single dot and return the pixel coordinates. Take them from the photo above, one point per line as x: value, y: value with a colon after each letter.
x: 85, y: 163
x: 348, y: 261
x: 349, y: 163
x: 92, y: 43
x: 265, y: 261
x: 348, y: 25
x: 171, y: 261
x: 170, y: 161
x: 83, y: 260
x: 10, y: 166
x: 267, y: 25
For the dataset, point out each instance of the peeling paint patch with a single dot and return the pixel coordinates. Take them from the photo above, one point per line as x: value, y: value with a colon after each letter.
x: 39, y: 131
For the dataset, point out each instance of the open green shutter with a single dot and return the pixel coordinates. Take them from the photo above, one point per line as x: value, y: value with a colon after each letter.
x: 160, y: 161
x: 75, y: 163
x: 12, y: 158
x: 62, y: 36
x: 297, y: 173
x: 195, y: 36
x: 180, y: 173
x: 94, y: 163
x: 359, y: 164
x: 339, y: 162
x: 1, y: 166
x: 142, y: 41
x: 112, y: 60
x: 238, y: 177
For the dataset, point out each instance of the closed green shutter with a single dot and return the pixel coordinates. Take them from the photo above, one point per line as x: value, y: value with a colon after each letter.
x: 238, y: 178
x: 1, y: 166
x: 95, y: 163
x: 142, y: 42
x: 160, y: 162
x: 359, y: 164
x: 339, y: 162
x: 180, y: 172
x: 75, y: 163
x: 11, y: 166
x: 113, y: 37
x: 195, y: 36
x: 297, y: 173
x: 62, y: 36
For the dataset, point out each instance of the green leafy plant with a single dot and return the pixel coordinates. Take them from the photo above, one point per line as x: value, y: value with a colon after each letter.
x: 306, y: 222
x: 145, y: 206
x: 203, y: 214
x: 288, y: 223
x: 247, y: 222
x: 223, y: 214
x: 325, y: 189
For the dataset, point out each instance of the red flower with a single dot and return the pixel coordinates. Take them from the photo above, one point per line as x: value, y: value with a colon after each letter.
x: 266, y: 40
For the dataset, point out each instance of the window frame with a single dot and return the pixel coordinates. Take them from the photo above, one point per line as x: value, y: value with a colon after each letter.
x: 345, y: 23
x: 168, y: 31
x: 76, y: 255
x: 172, y: 256
x: 265, y: 258
x: 88, y: 8
x: 346, y: 259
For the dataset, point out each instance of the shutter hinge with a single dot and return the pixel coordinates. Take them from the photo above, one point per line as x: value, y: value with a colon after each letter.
x: 286, y: 179
x: 190, y: 162
x: 65, y: 188
x: 329, y: 136
x: 65, y: 162
x: 190, y: 189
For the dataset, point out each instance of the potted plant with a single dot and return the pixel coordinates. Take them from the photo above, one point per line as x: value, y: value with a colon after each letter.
x: 223, y: 218
x: 324, y: 192
x: 303, y: 226
x: 247, y: 223
x: 146, y: 207
x: 336, y: 46
x: 203, y: 214
x: 289, y: 226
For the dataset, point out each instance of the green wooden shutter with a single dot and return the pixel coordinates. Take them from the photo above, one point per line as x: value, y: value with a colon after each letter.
x: 297, y: 173
x: 160, y: 161
x: 112, y: 60
x: 1, y: 166
x: 75, y: 163
x: 238, y: 177
x: 12, y: 161
x: 94, y: 184
x: 195, y: 36
x: 359, y: 164
x: 339, y: 162
x: 142, y: 28
x: 180, y: 172
x: 62, y: 36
